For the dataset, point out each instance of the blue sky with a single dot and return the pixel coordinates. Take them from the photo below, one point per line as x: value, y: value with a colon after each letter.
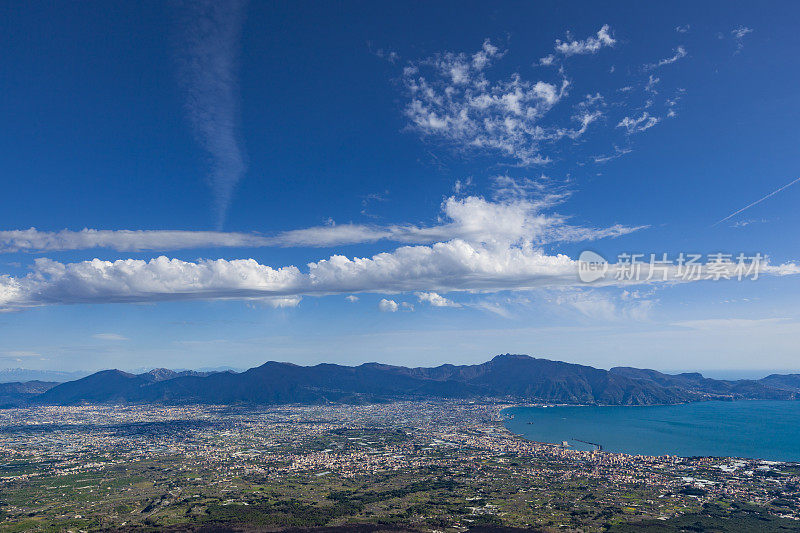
x: 401, y: 182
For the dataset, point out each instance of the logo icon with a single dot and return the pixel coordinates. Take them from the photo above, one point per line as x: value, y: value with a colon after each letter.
x: 591, y: 266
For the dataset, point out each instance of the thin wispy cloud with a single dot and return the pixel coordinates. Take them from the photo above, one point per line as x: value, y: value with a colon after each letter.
x: 208, y: 58
x: 616, y: 154
x: 519, y: 211
x: 770, y: 195
x: 456, y: 99
x: 109, y: 337
x: 652, y: 82
x: 680, y: 53
x: 596, y: 305
x: 21, y: 353
x: 35, y: 241
x: 453, y: 98
x: 738, y: 35
x: 730, y: 323
x: 638, y: 124
x: 572, y: 47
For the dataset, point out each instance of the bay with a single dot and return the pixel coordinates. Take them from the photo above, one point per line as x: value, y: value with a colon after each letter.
x: 759, y: 429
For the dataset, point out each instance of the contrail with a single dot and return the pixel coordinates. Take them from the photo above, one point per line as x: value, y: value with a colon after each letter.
x: 773, y: 193
x: 208, y: 63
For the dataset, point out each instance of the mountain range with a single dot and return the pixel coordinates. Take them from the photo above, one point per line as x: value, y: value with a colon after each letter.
x: 515, y: 378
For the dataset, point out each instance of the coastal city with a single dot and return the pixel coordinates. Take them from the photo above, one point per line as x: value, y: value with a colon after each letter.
x: 403, y: 466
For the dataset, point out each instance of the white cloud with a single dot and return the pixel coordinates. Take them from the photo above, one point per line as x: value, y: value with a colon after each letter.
x: 492, y: 307
x: 590, y: 45
x: 650, y: 86
x: 352, y: 298
x: 443, y: 267
x: 618, y: 152
x: 338, y: 234
x: 740, y: 32
x: 679, y: 54
x: 598, y: 305
x: 208, y: 63
x: 745, y: 223
x: 21, y: 353
x: 547, y: 60
x: 33, y: 240
x: 454, y: 265
x: 280, y: 303
x: 672, y: 103
x: 452, y: 99
x: 109, y: 337
x: 516, y: 212
x: 389, y: 55
x: 436, y: 300
x: 683, y: 29
x: 387, y: 306
x: 638, y: 124
x: 462, y: 186
x: 455, y: 99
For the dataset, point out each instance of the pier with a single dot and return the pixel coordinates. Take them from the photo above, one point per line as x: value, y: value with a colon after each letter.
x: 598, y: 446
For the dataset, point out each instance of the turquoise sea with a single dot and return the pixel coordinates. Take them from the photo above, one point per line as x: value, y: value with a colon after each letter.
x: 755, y: 429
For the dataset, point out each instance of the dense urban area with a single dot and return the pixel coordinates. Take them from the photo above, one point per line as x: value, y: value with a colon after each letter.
x: 403, y: 466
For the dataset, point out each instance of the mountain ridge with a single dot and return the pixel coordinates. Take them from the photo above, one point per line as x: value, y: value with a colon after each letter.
x: 507, y: 377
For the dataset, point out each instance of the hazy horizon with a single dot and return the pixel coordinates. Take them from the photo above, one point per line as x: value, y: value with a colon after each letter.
x: 714, y: 373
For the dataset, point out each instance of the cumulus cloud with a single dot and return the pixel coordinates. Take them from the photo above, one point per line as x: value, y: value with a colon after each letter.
x: 387, y: 306
x: 590, y: 45
x: 436, y: 300
x: 479, y: 244
x: 510, y: 219
x: 208, y: 61
x: 441, y: 268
